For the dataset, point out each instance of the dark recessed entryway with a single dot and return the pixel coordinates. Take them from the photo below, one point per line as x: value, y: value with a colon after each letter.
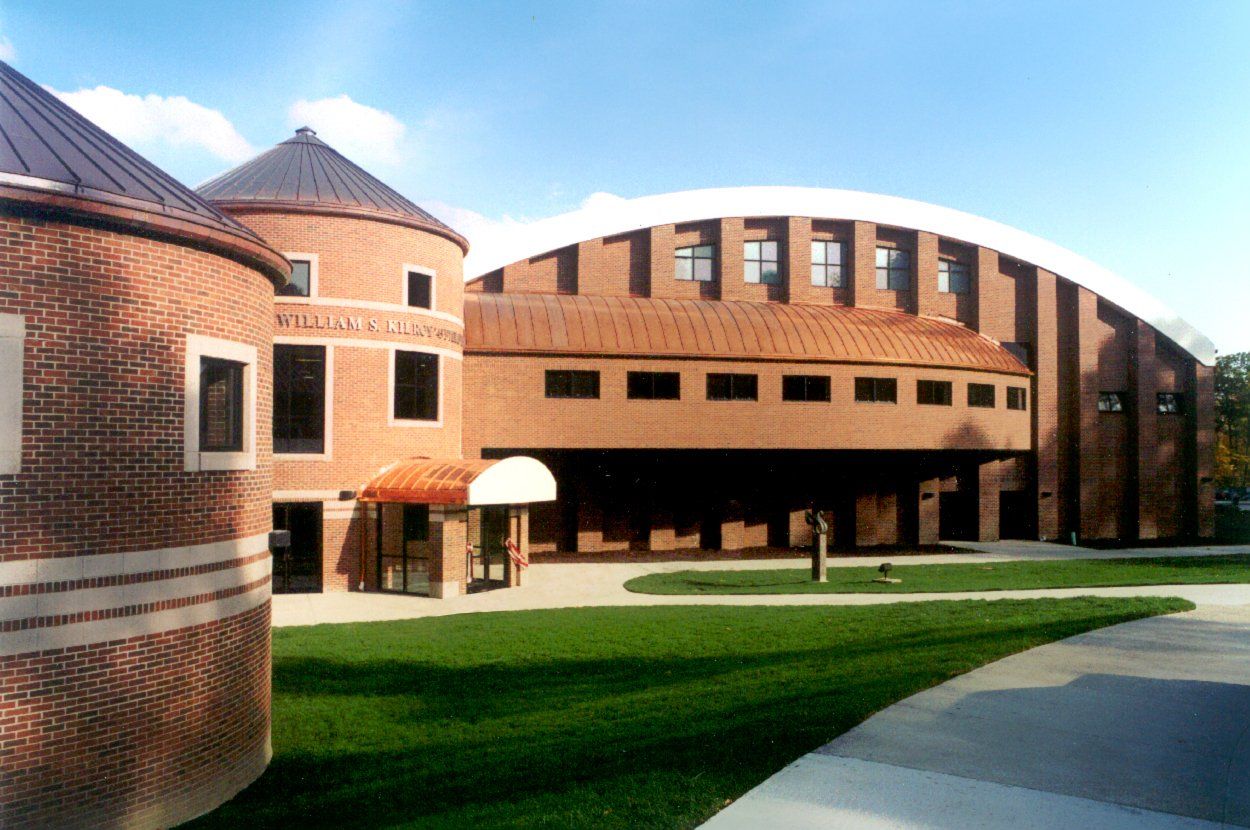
x: 297, y: 570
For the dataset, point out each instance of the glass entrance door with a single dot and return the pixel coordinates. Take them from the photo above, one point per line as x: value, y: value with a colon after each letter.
x: 491, y: 565
x: 402, y: 534
x: 297, y: 570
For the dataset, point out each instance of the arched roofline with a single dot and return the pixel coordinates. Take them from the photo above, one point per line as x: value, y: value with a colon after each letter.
x: 613, y: 217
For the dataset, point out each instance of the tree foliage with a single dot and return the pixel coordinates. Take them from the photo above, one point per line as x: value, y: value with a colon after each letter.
x: 1232, y: 419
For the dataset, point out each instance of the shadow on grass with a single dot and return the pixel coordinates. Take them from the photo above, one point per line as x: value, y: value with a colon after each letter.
x: 641, y: 717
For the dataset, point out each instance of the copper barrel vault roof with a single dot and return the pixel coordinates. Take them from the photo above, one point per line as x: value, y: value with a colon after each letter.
x: 576, y: 324
x: 305, y: 173
x: 53, y: 157
x: 514, y: 480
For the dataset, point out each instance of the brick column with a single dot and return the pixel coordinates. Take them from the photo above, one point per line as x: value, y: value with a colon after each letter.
x: 589, y: 521
x: 1204, y: 448
x: 887, y: 514
x: 800, y: 532
x: 1143, y: 380
x: 663, y: 534
x: 729, y: 256
x: 447, y: 569
x: 591, y: 278
x: 863, y: 255
x: 732, y: 535
x: 1089, y: 471
x: 663, y: 244
x: 926, y: 273
x: 866, y: 518
x: 989, y: 289
x: 989, y: 484
x: 798, y: 274
x: 929, y: 518
x: 1044, y: 404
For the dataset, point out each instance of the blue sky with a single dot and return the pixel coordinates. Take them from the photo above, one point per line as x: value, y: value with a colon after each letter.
x: 1119, y: 130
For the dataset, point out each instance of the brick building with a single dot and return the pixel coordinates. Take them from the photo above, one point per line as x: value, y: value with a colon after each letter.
x: 136, y: 329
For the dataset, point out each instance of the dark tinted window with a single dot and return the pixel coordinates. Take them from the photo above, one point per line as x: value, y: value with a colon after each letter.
x: 566, y: 383
x: 221, y: 405
x: 933, y: 392
x: 981, y: 394
x: 1170, y: 403
x: 416, y: 522
x: 416, y: 386
x: 1111, y: 401
x: 805, y: 388
x: 732, y: 387
x: 1017, y: 397
x: 419, y: 289
x: 876, y: 390
x: 893, y: 269
x: 299, y: 398
x: 654, y: 385
x: 301, y: 277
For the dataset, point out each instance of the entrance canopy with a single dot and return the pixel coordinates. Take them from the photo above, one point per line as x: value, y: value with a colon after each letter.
x: 515, y: 480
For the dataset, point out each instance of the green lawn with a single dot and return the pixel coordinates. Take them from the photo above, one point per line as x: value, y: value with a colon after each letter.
x: 602, y: 717
x: 995, y: 576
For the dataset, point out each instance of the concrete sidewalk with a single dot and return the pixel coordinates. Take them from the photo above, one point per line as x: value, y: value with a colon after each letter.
x: 568, y: 585
x: 1141, y: 725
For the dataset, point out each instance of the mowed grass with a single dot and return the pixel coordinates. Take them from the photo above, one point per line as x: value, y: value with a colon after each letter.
x: 988, y: 576
x: 602, y: 717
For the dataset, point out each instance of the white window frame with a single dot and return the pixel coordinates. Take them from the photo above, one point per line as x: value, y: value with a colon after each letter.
x: 12, y: 378
x: 194, y: 460
x: 391, y: 420
x: 403, y: 290
x: 328, y: 430
x: 313, y: 277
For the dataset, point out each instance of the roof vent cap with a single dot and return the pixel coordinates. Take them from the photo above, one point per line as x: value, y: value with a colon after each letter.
x: 305, y: 131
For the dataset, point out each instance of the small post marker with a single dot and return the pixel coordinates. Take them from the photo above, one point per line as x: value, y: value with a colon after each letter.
x: 820, y: 559
x: 885, y: 577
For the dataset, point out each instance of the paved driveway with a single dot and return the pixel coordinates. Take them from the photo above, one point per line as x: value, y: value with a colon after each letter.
x: 1141, y: 725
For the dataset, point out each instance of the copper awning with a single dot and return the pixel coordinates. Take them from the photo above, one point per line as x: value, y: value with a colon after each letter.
x: 515, y: 480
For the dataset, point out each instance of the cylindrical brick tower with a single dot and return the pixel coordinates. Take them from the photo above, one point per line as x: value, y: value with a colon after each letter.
x: 368, y: 357
x: 135, y: 473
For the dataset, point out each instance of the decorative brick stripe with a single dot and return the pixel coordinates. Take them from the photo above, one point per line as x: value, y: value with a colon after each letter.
x: 129, y: 610
x: 126, y: 579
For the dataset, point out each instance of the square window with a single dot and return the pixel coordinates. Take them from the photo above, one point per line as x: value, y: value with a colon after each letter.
x: 221, y: 405
x: 1017, y: 398
x: 1111, y: 401
x: 703, y: 270
x: 301, y: 280
x: 893, y: 269
x: 759, y: 262
x: 751, y: 271
x: 420, y: 290
x: 981, y: 395
x: 751, y: 250
x: 954, y: 277
x: 827, y: 263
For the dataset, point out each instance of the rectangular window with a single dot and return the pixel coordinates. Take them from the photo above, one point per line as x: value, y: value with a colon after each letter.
x: 416, y: 386
x: 827, y: 264
x: 419, y: 290
x: 695, y: 263
x: 299, y: 399
x: 1017, y: 398
x: 221, y: 405
x: 1170, y: 403
x: 759, y: 262
x: 809, y: 388
x: 953, y: 277
x: 416, y: 523
x: 301, y: 278
x: 12, y: 364
x: 893, y: 269
x: 934, y: 392
x: 876, y: 390
x: 732, y: 387
x: 567, y: 383
x: 653, y: 386
x: 1110, y: 401
x: 981, y: 395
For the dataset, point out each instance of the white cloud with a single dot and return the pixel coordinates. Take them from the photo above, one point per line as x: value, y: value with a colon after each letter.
x: 151, y: 120
x: 491, y: 238
x: 364, y: 134
x: 7, y: 52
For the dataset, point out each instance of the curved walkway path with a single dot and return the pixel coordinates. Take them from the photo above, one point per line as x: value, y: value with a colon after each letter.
x: 567, y: 585
x: 1144, y: 725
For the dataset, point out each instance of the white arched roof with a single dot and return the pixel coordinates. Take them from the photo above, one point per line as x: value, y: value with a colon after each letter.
x: 610, y: 216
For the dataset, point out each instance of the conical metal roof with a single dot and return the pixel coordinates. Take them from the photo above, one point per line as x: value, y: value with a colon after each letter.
x: 53, y: 157
x: 305, y: 173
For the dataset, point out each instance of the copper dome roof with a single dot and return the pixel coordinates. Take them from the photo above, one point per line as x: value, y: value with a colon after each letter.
x: 53, y: 157
x: 577, y: 324
x: 305, y: 173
